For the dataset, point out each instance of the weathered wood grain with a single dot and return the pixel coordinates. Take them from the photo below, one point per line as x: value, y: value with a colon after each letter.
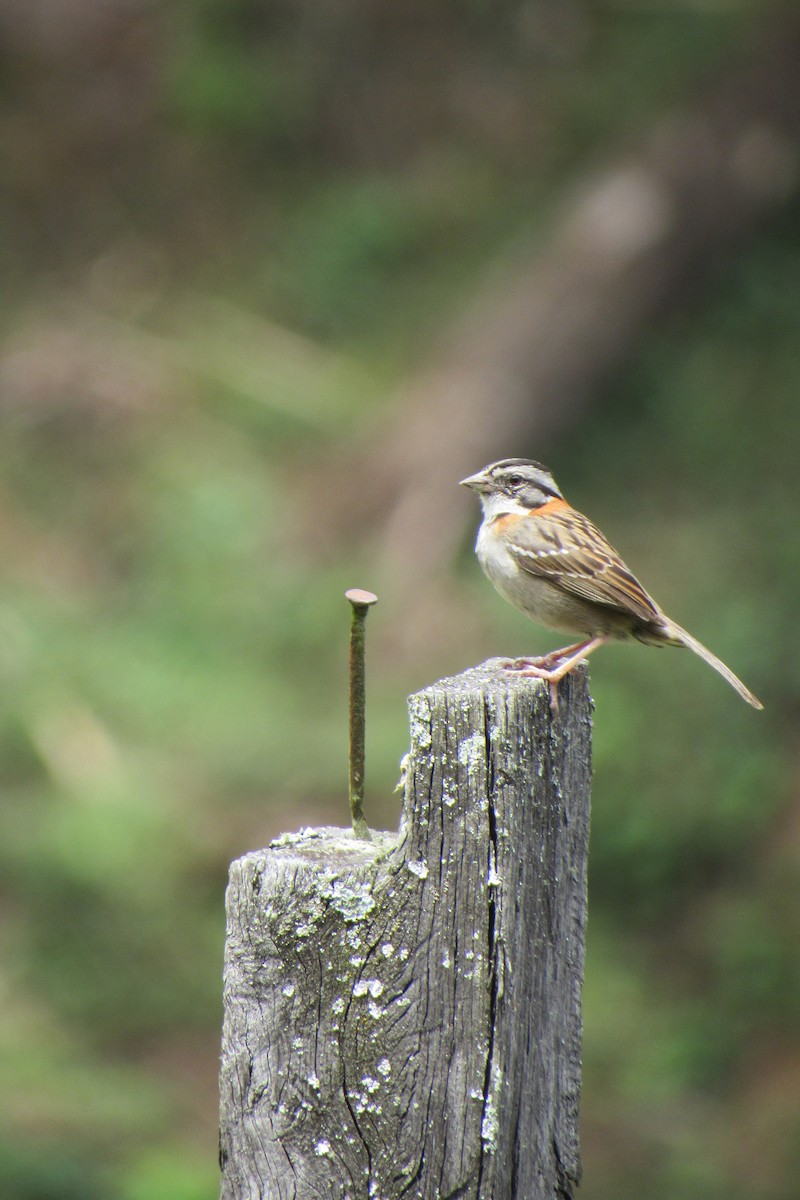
x: 402, y: 1017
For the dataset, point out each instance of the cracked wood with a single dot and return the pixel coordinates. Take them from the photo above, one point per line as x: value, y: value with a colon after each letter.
x: 402, y: 1017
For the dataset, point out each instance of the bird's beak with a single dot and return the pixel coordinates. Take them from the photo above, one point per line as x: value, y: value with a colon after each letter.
x: 479, y: 483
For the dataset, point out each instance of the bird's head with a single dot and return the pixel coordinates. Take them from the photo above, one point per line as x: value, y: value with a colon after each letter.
x: 513, y: 485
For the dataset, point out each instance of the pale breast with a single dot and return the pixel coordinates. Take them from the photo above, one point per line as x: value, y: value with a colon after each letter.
x: 542, y: 601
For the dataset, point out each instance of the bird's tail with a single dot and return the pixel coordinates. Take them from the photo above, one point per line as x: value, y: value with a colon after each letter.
x: 685, y: 639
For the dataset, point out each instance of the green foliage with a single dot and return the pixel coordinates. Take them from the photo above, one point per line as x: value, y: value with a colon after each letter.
x: 167, y: 1175
x: 172, y: 641
x: 47, y: 1172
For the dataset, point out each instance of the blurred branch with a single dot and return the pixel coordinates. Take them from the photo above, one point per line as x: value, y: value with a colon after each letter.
x: 528, y: 354
x: 272, y: 365
x: 86, y: 364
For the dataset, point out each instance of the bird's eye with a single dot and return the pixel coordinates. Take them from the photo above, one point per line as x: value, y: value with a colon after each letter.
x: 516, y: 481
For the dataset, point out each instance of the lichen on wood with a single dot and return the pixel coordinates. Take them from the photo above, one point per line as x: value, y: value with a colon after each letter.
x: 402, y: 1016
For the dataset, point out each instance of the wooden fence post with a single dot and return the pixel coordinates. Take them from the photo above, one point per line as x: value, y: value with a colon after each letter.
x: 402, y: 1016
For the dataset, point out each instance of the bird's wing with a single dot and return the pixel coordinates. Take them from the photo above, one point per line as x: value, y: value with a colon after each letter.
x: 565, y: 548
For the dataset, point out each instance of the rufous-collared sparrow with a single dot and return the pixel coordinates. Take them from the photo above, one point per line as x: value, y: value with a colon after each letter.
x: 553, y: 564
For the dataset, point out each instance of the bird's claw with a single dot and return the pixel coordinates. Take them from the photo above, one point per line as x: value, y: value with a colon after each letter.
x: 535, y: 668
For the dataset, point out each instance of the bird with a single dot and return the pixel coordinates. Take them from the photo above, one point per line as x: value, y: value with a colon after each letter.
x: 553, y: 564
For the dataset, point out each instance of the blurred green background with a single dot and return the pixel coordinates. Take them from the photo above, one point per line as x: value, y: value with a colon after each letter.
x: 234, y: 235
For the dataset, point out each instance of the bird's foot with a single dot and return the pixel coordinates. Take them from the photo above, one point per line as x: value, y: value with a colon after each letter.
x: 519, y: 664
x: 554, y: 666
x: 534, y: 668
x: 545, y: 662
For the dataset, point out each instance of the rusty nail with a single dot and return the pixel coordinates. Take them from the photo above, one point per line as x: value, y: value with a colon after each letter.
x: 361, y: 602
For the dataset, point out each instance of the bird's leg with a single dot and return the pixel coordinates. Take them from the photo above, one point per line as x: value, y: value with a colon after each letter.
x: 574, y: 654
x: 582, y: 650
x: 545, y: 660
